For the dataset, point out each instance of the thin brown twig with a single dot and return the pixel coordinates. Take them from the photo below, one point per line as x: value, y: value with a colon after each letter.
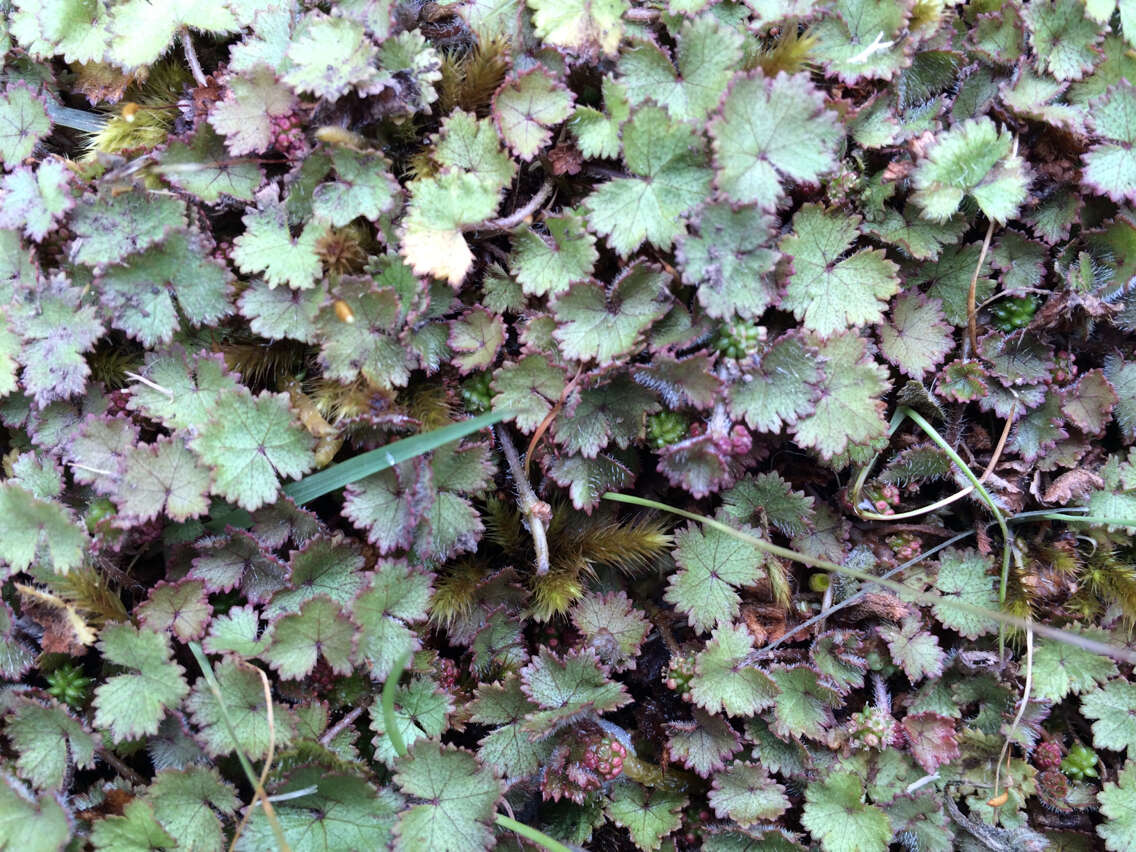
x: 334, y: 731
x: 507, y: 223
x: 537, y: 513
x: 542, y: 427
x: 121, y: 768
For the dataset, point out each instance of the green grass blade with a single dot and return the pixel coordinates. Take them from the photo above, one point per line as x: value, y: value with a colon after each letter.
x: 1102, y: 648
x: 363, y: 465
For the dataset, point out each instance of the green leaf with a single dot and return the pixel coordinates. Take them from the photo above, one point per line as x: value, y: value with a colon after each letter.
x: 248, y: 443
x: 395, y: 596
x: 268, y: 247
x: 328, y: 56
x: 28, y: 823
x: 612, y: 627
x: 972, y: 159
x: 746, y: 794
x: 23, y: 122
x: 863, y: 39
x: 150, y: 295
x: 707, y: 55
x: 49, y: 741
x: 583, y: 27
x: 917, y: 338
x: 363, y: 187
x: 345, y: 812
x: 671, y: 180
x: 163, y: 477
x: 56, y: 333
x: 278, y: 313
x: 326, y: 565
x: 783, y: 384
x: 604, y: 323
x: 549, y: 264
x: 916, y: 651
x: 368, y: 346
x: 1062, y: 37
x: 243, y: 697
x: 804, y: 704
x: 529, y: 388
x: 527, y: 107
x: 439, y: 208
x: 723, y: 682
x: 730, y: 261
x: 34, y: 200
x: 1118, y: 804
x: 244, y: 116
x: 703, y: 744
x: 770, y: 130
x: 75, y: 29
x: 186, y: 803
x: 131, y: 705
x: 1110, y: 166
x: 771, y: 500
x: 33, y: 529
x: 204, y: 167
x: 1113, y: 707
x: 180, y: 608
x: 837, y: 816
x: 963, y: 576
x: 183, y: 392
x: 110, y: 227
x: 137, y: 830
x: 597, y: 133
x: 568, y: 688
x: 828, y: 289
x: 298, y: 641
x: 712, y: 566
x: 648, y: 813
x: 421, y: 711
x: 458, y: 798
x: 236, y: 632
x: 507, y: 748
x: 848, y: 411
x: 142, y: 30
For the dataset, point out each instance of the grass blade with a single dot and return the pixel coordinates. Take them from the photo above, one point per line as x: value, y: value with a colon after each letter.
x: 363, y: 465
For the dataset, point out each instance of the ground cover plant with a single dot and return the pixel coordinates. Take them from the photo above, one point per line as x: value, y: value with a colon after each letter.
x: 556, y: 424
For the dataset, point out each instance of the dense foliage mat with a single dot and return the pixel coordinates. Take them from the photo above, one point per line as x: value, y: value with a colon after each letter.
x: 325, y: 329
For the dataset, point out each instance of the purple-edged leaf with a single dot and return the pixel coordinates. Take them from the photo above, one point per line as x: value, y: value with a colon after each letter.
x: 1110, y: 166
x: 249, y: 443
x: 98, y: 449
x: 1062, y: 37
x: 506, y: 747
x: 547, y: 264
x: 243, y: 697
x: 730, y: 260
x: 681, y: 381
x: 267, y: 246
x: 932, y: 739
x: 279, y: 312
x: 783, y: 385
x: 244, y: 116
x: 863, y: 39
x: 848, y: 410
x: 723, y: 683
x: 612, y: 627
x: 914, y: 650
x: 475, y: 337
x: 771, y: 130
x: 110, y: 227
x: 829, y: 289
x: 50, y: 742
x: 182, y: 391
x: 567, y: 688
x: 917, y: 338
x: 363, y: 187
x: 703, y: 744
x: 611, y: 412
x: 179, y: 608
x: 299, y: 640
x: 56, y: 332
x: 389, y: 504
x: 746, y: 794
x: 587, y: 480
x: 326, y: 565
x: 131, y: 704
x: 771, y: 500
x: 1039, y: 430
x: 149, y: 295
x: 1122, y: 375
x: 702, y: 464
x: 202, y: 166
x: 32, y: 529
x: 528, y: 387
x: 394, y: 597
x: 648, y: 813
x: 527, y: 107
x: 368, y: 346
x: 34, y: 200
x: 962, y: 381
x: 23, y: 122
x: 239, y: 559
x: 1088, y: 404
x: 163, y: 477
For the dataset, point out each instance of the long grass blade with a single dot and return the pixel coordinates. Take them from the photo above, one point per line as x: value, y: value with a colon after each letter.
x: 363, y: 465
x: 1055, y: 633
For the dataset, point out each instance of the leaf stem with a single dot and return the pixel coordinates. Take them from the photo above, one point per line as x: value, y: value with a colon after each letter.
x: 389, y: 721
